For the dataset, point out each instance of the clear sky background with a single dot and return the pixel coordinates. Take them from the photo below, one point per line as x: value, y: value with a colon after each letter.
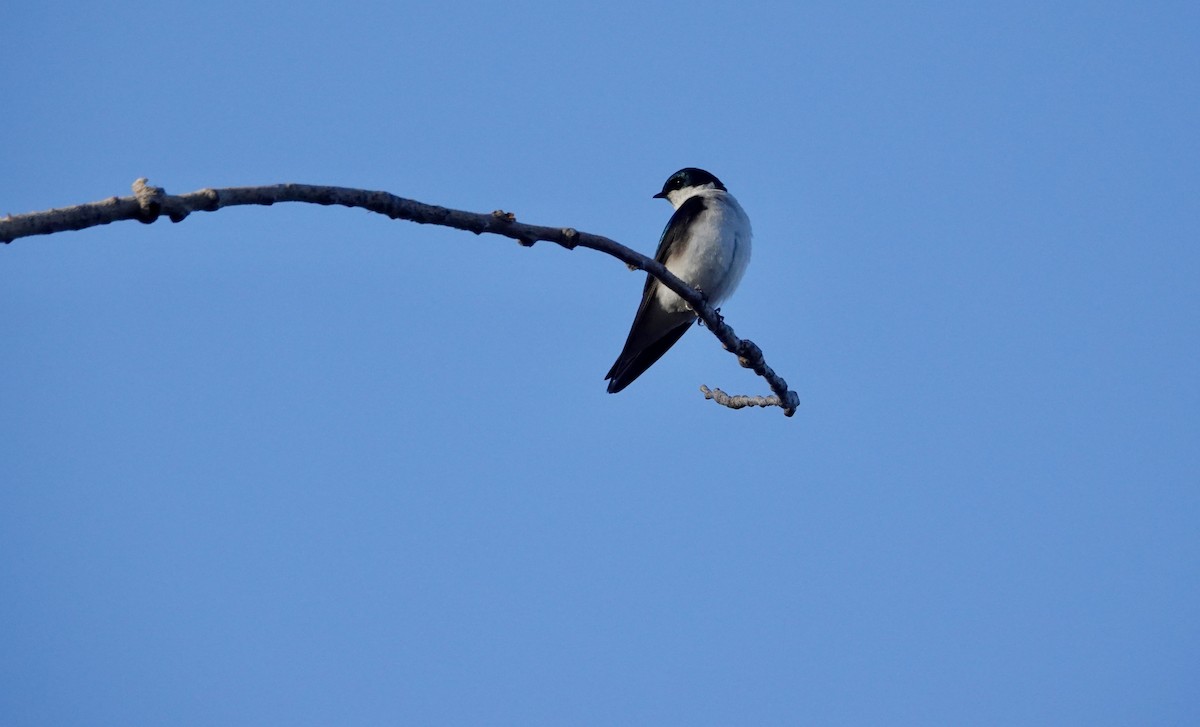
x: 309, y: 466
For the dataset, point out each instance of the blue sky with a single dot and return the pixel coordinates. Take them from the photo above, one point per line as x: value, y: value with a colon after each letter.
x: 299, y: 465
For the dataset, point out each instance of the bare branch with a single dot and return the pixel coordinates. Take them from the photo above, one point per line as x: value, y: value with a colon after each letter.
x: 149, y: 203
x: 738, y: 402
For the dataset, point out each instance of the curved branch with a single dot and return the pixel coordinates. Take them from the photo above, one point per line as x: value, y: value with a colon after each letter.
x: 149, y: 203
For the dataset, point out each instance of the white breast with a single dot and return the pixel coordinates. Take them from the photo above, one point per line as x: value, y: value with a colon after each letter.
x: 717, y: 253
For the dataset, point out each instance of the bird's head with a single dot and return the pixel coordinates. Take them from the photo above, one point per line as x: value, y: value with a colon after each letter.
x: 686, y: 183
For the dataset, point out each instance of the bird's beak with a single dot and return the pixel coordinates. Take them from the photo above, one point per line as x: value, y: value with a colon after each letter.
x: 660, y: 195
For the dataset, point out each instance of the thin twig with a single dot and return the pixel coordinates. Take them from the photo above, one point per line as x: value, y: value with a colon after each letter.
x: 149, y: 203
x: 738, y: 402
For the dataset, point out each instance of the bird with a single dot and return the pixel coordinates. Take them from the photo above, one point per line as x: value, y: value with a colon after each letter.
x: 706, y: 243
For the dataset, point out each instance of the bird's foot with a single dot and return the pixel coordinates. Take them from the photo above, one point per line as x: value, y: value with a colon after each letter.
x: 717, y: 312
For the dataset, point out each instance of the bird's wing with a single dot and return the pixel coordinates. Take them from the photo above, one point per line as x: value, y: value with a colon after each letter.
x: 674, y: 238
x: 655, y: 329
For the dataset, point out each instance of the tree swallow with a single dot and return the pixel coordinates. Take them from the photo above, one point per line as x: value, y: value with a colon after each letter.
x: 707, y: 245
